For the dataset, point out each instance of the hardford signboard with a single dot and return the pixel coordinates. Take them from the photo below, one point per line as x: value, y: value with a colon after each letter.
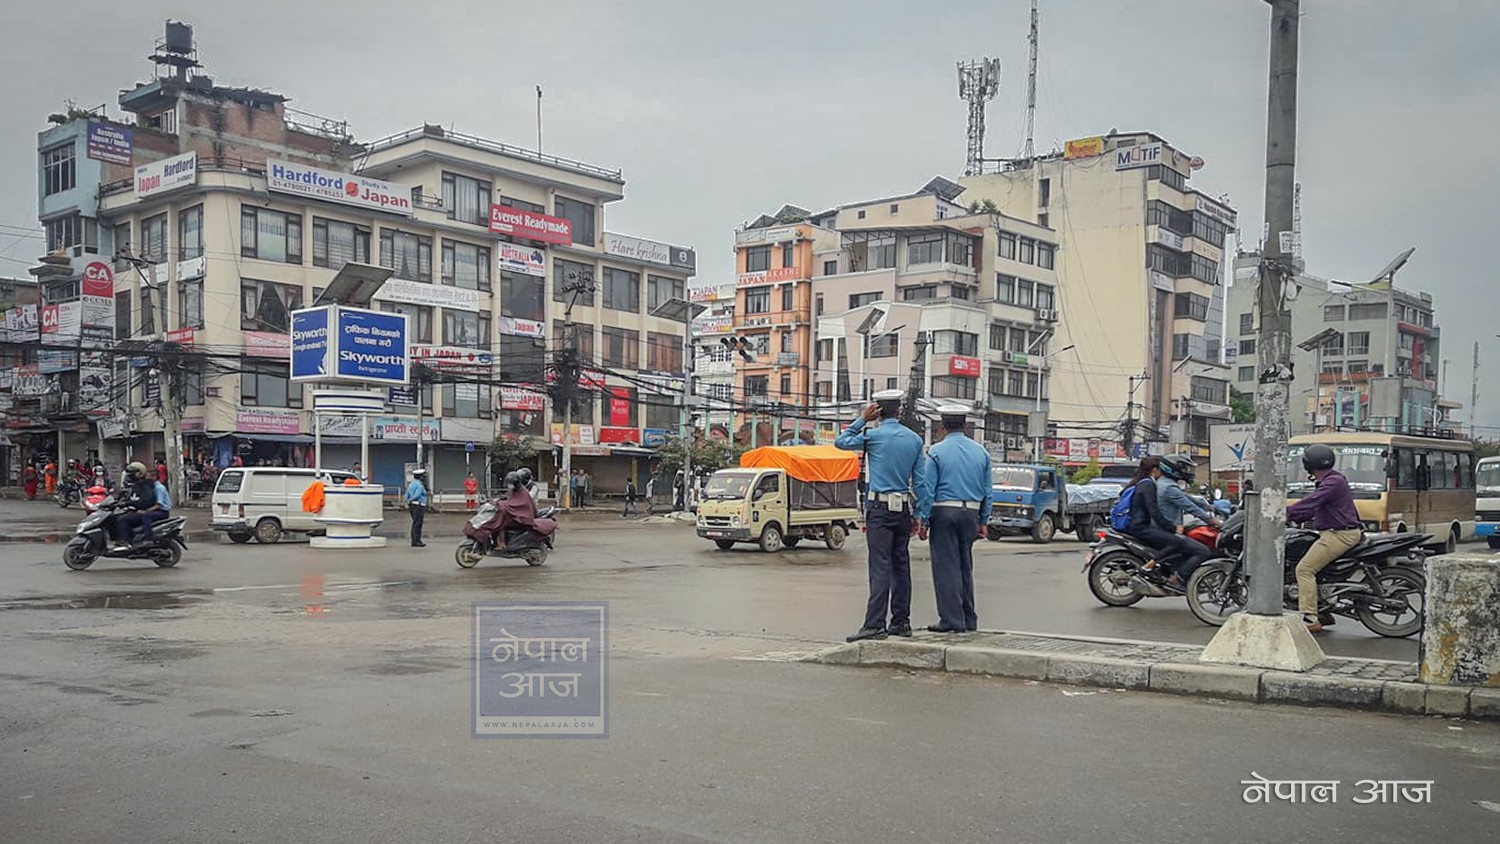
x: 346, y: 188
x: 531, y: 225
x: 167, y: 174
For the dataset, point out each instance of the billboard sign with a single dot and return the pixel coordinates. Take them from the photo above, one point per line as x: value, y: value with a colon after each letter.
x: 518, y: 327
x: 110, y: 143
x: 963, y: 365
x: 531, y: 225
x: 1231, y: 448
x: 521, y: 259
x: 179, y: 171
x: 312, y: 349
x: 1140, y: 155
x: 638, y: 249
x: 345, y: 188
x: 432, y: 295
x: 371, y: 346
x: 1083, y: 148
x: 266, y: 344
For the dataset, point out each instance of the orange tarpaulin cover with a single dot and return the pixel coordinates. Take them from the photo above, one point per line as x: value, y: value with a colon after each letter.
x: 805, y: 462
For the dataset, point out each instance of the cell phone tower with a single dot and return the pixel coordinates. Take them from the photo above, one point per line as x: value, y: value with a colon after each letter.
x: 978, y: 83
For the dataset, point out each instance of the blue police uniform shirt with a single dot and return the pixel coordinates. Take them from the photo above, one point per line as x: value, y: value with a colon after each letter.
x: 958, y: 470
x: 416, y: 493
x: 162, y: 497
x: 893, y: 455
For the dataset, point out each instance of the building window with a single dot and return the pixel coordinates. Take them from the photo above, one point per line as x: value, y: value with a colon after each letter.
x: 786, y: 386
x: 410, y: 255
x: 570, y: 272
x: 1247, y: 323
x: 190, y: 303
x: 959, y: 291
x: 154, y: 240
x: 1203, y: 269
x: 997, y: 336
x: 1247, y: 373
x: 1209, y: 229
x: 786, y: 341
x: 1019, y: 340
x: 71, y: 230
x: 1247, y: 347
x: 831, y: 267
x: 955, y: 343
x: 788, y: 253
x: 522, y: 360
x: 418, y: 318
x: 466, y: 265
x: 621, y: 347
x: 859, y: 300
x: 190, y: 233
x: 1191, y: 306
x: 960, y: 250
x: 1169, y: 217
x: 758, y: 300
x: 1372, y: 310
x: 757, y: 385
x: 466, y: 328
x: 786, y: 297
x: 1046, y: 255
x: 580, y: 214
x: 467, y: 400
x: 1359, y: 367
x: 886, y: 345
x: 59, y: 169
x: 1168, y: 177
x: 757, y: 259
x: 1044, y: 193
x: 467, y: 200
x: 1359, y: 342
x: 1046, y: 297
x: 121, y: 242
x: 954, y: 387
x: 1005, y: 288
x: 1025, y: 293
x: 122, y: 314
x: 663, y: 352
x: 1026, y: 253
x: 1182, y: 346
x: 267, y: 235
x: 266, y: 306
x: 61, y: 291
x: 1334, y: 346
x: 1008, y: 245
x: 925, y: 249
x: 660, y: 289
x: 265, y: 384
x: 1210, y: 390
x: 661, y: 413
x: 336, y: 243
x: 1164, y: 260
x: 881, y: 252
x: 917, y: 294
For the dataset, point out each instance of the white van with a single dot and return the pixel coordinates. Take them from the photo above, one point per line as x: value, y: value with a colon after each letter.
x: 265, y: 502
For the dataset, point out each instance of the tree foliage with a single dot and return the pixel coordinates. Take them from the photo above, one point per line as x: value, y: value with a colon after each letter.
x: 1486, y: 448
x: 1087, y: 472
x: 987, y: 206
x: 709, y: 455
x: 1241, y: 407
x: 508, y: 454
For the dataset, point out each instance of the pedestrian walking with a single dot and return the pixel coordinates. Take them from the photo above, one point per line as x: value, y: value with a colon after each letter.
x: 651, y: 495
x: 28, y: 480
x: 416, y: 505
x: 471, y: 491
x: 575, y: 484
x: 954, y: 509
x: 49, y: 476
x: 894, y: 462
x: 630, y: 493
x: 679, y: 491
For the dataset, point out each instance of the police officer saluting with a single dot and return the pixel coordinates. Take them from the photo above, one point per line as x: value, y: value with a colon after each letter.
x: 955, y: 507
x: 894, y: 461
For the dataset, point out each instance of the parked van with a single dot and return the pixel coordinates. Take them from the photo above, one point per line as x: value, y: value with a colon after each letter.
x: 265, y: 502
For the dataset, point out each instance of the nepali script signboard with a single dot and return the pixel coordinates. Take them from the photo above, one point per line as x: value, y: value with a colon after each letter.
x: 541, y: 669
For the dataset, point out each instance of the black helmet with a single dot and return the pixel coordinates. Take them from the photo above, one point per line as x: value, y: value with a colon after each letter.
x: 1316, y: 458
x: 514, y: 480
x: 1178, y: 467
x: 524, y: 475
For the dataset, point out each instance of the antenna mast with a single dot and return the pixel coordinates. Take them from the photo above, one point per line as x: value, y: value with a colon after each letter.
x: 1028, y: 149
x: 978, y: 83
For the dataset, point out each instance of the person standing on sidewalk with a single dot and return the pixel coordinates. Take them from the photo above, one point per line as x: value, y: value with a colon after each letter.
x: 416, y: 505
x: 1330, y: 507
x: 955, y: 507
x: 471, y: 491
x: 630, y: 493
x: 893, y: 458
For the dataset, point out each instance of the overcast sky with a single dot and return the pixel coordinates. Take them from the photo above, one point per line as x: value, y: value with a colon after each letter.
x: 719, y: 110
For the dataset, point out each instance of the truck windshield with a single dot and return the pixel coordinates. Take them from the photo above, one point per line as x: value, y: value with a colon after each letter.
x: 1012, y: 477
x: 728, y: 486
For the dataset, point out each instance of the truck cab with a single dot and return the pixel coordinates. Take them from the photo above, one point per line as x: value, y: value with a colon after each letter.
x: 769, y: 505
x: 1035, y: 500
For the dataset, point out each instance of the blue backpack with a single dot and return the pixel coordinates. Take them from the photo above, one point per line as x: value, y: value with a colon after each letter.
x: 1119, y: 514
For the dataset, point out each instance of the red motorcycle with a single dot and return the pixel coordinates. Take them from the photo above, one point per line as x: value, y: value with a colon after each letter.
x: 508, y: 527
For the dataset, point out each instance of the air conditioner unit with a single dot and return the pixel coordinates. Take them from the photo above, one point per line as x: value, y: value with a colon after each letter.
x: 1015, y: 442
x: 1046, y: 314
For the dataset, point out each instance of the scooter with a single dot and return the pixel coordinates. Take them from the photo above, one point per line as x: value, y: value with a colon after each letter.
x: 527, y: 533
x: 91, y: 541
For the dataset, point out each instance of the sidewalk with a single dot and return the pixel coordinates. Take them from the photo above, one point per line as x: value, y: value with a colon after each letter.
x: 1171, y: 668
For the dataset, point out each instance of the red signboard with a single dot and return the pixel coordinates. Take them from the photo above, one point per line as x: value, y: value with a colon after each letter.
x: 181, y: 336
x: 530, y: 225
x: 619, y: 407
x: 609, y: 434
x: 98, y: 280
x: 965, y: 366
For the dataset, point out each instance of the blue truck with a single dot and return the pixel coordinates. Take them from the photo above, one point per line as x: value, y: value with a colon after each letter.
x: 1034, y: 500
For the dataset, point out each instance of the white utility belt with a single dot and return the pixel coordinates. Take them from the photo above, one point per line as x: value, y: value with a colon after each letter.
x: 892, y: 500
x: 953, y: 502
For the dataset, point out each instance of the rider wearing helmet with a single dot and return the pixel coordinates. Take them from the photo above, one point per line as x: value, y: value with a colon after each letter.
x: 1173, y: 497
x: 148, y: 500
x: 1330, y: 507
x: 1149, y: 524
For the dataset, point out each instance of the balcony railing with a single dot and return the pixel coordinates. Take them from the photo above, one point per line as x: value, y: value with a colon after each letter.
x: 497, y: 147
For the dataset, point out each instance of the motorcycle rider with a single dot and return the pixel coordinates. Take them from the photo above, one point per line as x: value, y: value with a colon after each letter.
x: 1149, y: 523
x: 148, y: 500
x: 1173, y: 498
x: 1330, y: 507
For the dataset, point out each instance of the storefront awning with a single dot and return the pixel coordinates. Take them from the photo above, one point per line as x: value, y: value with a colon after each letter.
x: 292, y: 439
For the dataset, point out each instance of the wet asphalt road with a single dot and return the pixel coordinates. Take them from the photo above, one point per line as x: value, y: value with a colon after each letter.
x: 321, y: 696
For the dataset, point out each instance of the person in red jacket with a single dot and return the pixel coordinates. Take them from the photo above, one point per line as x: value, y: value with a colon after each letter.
x: 471, y: 491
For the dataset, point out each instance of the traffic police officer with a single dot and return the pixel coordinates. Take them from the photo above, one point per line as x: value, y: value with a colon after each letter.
x: 955, y: 508
x: 894, y: 462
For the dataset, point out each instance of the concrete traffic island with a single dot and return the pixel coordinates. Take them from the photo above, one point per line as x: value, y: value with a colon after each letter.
x: 350, y: 515
x: 1171, y: 668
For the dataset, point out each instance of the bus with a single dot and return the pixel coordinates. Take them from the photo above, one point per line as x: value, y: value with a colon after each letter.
x: 1487, y: 482
x: 1401, y: 482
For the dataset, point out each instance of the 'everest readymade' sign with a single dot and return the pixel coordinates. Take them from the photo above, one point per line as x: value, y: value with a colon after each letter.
x: 311, y: 182
x: 531, y: 225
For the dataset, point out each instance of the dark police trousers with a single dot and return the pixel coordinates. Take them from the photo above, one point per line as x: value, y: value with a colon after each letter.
x: 952, y: 531
x: 418, y: 513
x: 887, y: 534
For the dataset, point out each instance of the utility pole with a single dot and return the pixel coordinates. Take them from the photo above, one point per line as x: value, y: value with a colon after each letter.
x: 567, y: 379
x: 167, y: 370
x: 1473, y: 394
x: 1264, y: 636
x: 909, y: 416
x: 1129, y: 438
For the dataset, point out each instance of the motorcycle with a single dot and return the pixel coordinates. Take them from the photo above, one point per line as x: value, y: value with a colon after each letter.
x: 1381, y: 576
x: 91, y: 541
x: 510, y: 528
x: 1119, y: 570
x: 68, y: 492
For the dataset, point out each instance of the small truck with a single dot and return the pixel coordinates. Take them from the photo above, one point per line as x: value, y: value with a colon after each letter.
x: 1034, y: 500
x: 781, y: 495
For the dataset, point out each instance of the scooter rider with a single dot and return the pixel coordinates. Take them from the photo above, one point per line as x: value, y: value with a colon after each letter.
x: 149, y: 501
x: 1330, y: 507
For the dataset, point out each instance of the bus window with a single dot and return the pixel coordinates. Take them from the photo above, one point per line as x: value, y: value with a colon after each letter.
x: 1441, y: 466
x: 1465, y: 471
x: 1406, y: 469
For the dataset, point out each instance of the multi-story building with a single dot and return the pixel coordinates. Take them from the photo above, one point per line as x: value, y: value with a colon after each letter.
x: 218, y: 211
x: 1375, y: 366
x: 1139, y: 282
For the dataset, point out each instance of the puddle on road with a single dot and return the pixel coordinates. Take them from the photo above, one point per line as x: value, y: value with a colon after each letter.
x: 110, y: 601
x: 48, y: 538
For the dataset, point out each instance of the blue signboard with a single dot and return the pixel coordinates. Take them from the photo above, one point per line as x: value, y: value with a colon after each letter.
x: 372, y: 347
x: 653, y: 437
x: 310, y: 344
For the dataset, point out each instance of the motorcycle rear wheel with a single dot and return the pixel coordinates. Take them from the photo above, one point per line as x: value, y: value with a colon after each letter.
x: 167, y: 557
x: 1105, y: 590
x: 467, y: 555
x: 77, y: 556
x: 1215, y: 591
x: 535, y: 557
x: 1400, y: 585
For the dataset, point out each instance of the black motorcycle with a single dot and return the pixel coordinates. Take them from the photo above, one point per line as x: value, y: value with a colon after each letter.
x: 69, y: 492
x: 92, y: 539
x: 1119, y: 571
x: 1380, y: 582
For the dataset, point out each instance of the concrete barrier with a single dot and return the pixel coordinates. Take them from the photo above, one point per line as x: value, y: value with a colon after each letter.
x: 1461, y: 639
